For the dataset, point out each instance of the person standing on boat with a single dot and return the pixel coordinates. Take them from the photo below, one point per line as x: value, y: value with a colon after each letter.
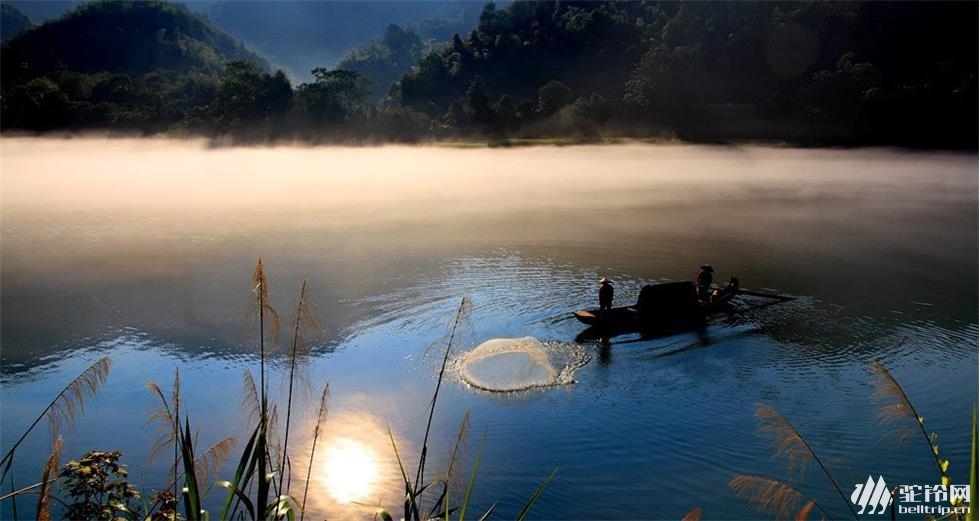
x: 605, y: 294
x: 704, y: 282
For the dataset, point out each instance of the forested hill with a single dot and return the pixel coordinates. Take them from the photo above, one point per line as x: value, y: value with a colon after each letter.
x: 836, y: 72
x: 145, y: 64
x: 809, y: 73
x: 131, y: 37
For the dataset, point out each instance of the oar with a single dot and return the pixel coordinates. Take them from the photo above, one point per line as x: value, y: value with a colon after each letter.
x: 781, y: 298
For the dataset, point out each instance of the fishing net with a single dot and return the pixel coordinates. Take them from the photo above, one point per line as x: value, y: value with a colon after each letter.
x: 516, y: 364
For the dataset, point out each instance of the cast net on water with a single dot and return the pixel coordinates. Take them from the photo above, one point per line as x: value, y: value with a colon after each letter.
x: 517, y: 364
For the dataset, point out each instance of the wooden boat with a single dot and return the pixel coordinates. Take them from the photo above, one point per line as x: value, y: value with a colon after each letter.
x: 661, y: 307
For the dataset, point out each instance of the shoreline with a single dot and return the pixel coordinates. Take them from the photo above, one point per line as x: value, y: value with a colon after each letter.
x: 231, y: 142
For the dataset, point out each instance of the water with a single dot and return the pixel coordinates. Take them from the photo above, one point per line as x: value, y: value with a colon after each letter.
x: 142, y: 251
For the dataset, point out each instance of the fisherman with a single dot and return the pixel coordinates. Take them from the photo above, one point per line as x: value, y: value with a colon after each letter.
x: 704, y: 282
x: 605, y: 294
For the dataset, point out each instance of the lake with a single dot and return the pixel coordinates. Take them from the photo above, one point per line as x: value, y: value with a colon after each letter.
x: 142, y: 250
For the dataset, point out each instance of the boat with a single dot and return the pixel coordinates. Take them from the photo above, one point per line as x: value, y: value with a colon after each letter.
x: 661, y: 307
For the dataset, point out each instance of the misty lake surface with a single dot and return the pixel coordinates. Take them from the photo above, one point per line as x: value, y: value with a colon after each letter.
x: 142, y: 250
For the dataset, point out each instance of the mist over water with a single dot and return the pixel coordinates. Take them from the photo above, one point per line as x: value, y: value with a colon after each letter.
x: 142, y: 250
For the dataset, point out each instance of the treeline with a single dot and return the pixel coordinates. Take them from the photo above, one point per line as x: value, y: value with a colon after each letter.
x: 808, y: 73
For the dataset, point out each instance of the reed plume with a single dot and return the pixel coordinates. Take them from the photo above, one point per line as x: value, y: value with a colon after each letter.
x: 251, y: 402
x: 168, y: 417
x: 48, y: 477
x: 895, y: 405
x: 65, y: 407
x: 459, y: 446
x: 774, y: 496
x: 267, y: 319
x: 790, y: 444
x: 693, y: 515
x: 211, y: 460
x: 304, y: 328
x: 450, y: 475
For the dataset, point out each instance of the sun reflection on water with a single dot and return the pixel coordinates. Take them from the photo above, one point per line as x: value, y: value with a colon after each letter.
x: 351, y: 471
x: 354, y: 469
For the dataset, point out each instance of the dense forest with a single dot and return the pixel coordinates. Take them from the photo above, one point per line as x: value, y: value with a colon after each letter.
x: 811, y: 73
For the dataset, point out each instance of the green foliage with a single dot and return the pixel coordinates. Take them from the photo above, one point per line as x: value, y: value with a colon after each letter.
x: 552, y: 97
x: 384, y: 60
x: 248, y: 96
x: 96, y: 487
x: 334, y: 97
x: 809, y: 72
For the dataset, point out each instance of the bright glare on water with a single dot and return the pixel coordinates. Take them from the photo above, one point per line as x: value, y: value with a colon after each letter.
x: 142, y: 250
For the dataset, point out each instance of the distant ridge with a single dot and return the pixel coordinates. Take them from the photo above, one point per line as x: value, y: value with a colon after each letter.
x: 129, y: 37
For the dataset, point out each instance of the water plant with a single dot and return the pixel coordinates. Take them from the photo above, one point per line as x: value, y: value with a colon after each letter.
x: 97, y: 488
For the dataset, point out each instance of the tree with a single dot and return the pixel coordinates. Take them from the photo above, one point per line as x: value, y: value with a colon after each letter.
x: 552, y: 97
x: 248, y: 95
x: 478, y: 103
x: 335, y: 96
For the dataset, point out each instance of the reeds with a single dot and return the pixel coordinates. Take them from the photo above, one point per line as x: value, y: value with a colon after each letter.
x: 782, y: 499
x: 895, y: 405
x: 48, y: 477
x: 65, y: 406
x: 776, y: 496
x: 260, y: 485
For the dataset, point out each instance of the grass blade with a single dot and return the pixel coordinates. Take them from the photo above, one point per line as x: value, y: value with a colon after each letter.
x: 243, y: 474
x: 472, y: 483
x: 192, y: 495
x: 534, y: 497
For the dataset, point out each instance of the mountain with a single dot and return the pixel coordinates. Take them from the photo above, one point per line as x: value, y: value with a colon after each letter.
x: 12, y: 22
x: 119, y: 64
x: 40, y: 11
x: 302, y: 35
x: 130, y: 37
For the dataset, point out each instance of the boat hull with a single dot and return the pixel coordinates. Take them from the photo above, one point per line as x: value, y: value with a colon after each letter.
x: 656, y: 315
